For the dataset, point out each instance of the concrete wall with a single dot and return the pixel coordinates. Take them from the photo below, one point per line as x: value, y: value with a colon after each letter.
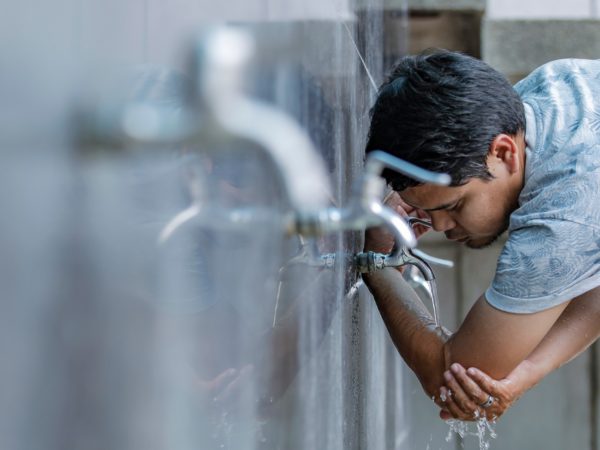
x: 96, y: 353
x: 540, y: 9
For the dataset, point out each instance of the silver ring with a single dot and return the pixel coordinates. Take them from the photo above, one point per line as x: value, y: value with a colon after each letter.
x: 488, y: 402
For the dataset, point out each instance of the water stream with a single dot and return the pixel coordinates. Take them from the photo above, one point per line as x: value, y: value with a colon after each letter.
x: 435, y: 303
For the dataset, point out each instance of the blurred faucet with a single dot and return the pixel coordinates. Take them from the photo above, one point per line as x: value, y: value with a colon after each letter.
x: 218, y: 111
x: 221, y: 59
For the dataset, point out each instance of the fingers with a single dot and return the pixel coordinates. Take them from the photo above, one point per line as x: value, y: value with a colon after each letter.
x: 420, y: 230
x: 453, y: 409
x: 421, y: 214
x: 466, y: 390
x: 485, y: 382
x: 395, y: 202
x: 391, y: 197
x: 470, y: 387
x: 460, y: 397
x: 503, y: 399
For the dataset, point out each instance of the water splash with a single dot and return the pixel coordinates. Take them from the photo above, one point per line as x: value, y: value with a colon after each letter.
x: 482, y: 428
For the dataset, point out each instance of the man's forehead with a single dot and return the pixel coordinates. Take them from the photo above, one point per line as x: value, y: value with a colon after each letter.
x: 429, y: 196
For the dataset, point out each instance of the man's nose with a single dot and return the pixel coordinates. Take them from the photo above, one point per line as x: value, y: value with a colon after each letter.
x: 441, y: 221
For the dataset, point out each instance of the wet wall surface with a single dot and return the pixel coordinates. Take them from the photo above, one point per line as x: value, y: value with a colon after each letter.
x: 121, y: 330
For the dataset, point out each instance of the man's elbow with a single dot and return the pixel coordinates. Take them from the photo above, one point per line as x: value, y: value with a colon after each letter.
x: 431, y: 385
x: 431, y: 380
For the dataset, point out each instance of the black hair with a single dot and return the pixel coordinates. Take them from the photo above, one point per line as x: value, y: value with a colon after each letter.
x: 441, y: 111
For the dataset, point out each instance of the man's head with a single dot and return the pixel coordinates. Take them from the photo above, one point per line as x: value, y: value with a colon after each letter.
x: 452, y: 113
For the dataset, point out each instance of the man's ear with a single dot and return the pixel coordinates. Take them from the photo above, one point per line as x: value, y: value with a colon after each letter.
x: 504, y: 151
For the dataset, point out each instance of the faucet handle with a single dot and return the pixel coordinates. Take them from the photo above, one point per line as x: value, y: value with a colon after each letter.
x: 412, y: 221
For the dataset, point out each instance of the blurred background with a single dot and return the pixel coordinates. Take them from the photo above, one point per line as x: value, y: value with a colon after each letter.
x: 152, y: 296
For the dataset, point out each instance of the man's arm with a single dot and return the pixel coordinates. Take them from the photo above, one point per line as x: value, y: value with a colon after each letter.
x: 490, y: 339
x: 577, y: 327
x: 574, y: 331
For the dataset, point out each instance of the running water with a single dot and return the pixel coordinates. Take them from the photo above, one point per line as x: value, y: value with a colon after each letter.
x: 482, y: 427
x: 435, y: 303
x: 360, y: 56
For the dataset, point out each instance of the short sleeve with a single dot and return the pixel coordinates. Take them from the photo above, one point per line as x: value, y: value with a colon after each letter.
x: 545, y: 264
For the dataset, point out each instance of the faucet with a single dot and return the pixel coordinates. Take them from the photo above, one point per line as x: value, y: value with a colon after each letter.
x: 402, y: 255
x: 219, y: 111
x: 369, y: 194
x: 366, y: 208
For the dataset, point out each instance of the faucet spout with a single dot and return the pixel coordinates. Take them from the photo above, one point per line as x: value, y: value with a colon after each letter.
x: 222, y: 57
x: 422, y: 265
x: 378, y: 160
x: 398, y: 226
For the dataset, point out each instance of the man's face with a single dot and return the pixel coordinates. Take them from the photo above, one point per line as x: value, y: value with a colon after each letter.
x: 475, y: 213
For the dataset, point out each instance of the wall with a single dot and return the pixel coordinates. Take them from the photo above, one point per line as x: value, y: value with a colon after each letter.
x: 517, y: 37
x: 537, y: 9
x: 112, y: 340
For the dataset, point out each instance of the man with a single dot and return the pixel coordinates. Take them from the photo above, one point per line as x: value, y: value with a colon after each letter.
x: 523, y: 159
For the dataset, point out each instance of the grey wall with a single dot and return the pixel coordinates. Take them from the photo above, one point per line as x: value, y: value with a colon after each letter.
x: 112, y: 341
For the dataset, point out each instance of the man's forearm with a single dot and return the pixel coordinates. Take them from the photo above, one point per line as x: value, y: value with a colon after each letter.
x: 410, y: 326
x: 575, y: 330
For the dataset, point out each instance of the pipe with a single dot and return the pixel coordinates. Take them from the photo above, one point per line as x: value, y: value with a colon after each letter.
x: 378, y: 160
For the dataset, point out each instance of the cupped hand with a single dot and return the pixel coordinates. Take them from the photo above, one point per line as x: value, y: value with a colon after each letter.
x: 380, y: 239
x: 467, y: 390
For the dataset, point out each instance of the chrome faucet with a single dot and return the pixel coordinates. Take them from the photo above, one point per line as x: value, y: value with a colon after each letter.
x: 219, y: 111
x: 400, y: 256
x: 366, y: 208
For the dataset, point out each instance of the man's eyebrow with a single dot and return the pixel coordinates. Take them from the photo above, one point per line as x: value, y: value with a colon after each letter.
x: 445, y: 206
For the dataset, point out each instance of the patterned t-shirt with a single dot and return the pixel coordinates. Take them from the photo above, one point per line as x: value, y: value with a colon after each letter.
x: 553, y: 249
